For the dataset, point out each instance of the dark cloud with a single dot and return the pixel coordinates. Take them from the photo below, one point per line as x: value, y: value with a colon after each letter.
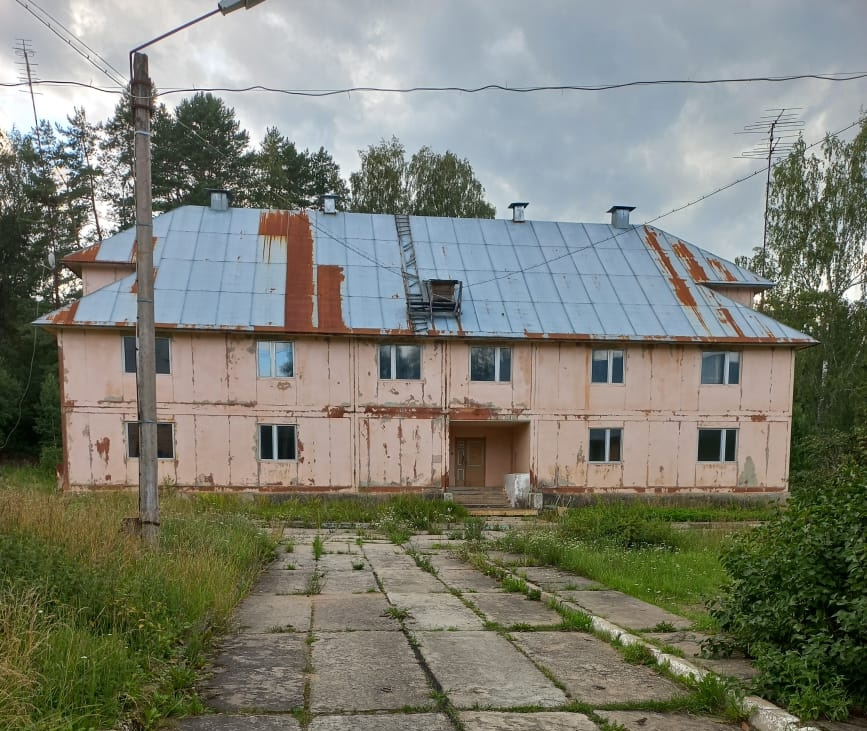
x: 571, y: 155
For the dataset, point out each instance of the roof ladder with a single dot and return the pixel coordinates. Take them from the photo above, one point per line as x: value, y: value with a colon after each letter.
x: 417, y: 307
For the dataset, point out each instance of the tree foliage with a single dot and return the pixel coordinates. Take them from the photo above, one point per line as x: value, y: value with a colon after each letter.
x: 429, y: 184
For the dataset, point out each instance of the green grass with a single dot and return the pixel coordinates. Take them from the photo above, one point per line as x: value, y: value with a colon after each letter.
x: 93, y: 627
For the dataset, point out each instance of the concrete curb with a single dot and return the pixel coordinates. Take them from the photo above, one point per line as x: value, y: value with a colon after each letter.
x: 764, y: 715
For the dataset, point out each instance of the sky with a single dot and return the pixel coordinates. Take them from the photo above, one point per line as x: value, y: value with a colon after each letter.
x: 571, y: 154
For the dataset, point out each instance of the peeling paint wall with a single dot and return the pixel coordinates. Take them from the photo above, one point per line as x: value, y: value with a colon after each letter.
x: 356, y: 431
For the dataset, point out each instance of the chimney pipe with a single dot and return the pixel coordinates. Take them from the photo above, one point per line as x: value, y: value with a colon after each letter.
x: 220, y: 199
x: 620, y: 216
x: 518, y: 211
x: 329, y: 203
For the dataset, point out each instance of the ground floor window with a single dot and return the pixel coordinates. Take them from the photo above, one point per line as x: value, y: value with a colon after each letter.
x: 276, y: 441
x: 717, y: 445
x: 605, y: 445
x: 165, y: 440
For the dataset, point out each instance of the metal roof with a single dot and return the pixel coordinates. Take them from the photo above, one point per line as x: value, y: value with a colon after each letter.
x: 312, y: 272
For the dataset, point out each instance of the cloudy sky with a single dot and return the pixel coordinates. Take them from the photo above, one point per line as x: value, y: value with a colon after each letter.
x: 571, y: 154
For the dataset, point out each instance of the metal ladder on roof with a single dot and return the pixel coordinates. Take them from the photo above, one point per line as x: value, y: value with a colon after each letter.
x: 417, y: 306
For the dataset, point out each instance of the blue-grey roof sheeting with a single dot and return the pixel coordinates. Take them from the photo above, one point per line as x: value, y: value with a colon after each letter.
x: 246, y: 269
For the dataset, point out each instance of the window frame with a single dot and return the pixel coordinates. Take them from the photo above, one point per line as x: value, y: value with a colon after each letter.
x: 272, y: 358
x: 609, y: 366
x: 136, y: 441
x: 126, y: 352
x: 498, y: 349
x: 607, y: 440
x: 393, y: 361
x: 275, y: 442
x: 730, y: 357
x: 724, y: 433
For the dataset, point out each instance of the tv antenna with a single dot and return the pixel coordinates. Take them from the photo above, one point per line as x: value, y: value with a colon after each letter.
x: 782, y: 128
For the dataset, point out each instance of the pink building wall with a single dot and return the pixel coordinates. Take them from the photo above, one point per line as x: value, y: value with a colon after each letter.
x: 357, y: 432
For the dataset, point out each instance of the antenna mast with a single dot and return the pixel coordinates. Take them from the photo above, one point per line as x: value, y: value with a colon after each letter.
x: 781, y: 127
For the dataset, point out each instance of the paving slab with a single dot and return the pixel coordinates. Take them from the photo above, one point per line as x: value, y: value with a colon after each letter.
x: 542, y: 721
x: 282, y: 581
x: 366, y: 671
x: 478, y: 669
x: 468, y: 580
x: 689, y: 643
x: 347, y: 612
x: 237, y: 723
x: 436, y: 612
x: 511, y: 559
x: 350, y: 582
x: 443, y: 561
x: 592, y: 670
x: 626, y: 611
x: 852, y: 724
x: 514, y: 609
x: 269, y: 613
x: 383, y: 722
x: 342, y: 561
x: 553, y: 579
x: 410, y: 581
x: 644, y: 721
x: 258, y: 673
x: 301, y: 557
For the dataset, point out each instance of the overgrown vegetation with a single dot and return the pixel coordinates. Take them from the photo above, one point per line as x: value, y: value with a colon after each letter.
x: 797, y: 597
x: 93, y: 628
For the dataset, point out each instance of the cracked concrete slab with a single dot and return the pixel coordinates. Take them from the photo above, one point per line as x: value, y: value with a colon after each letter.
x: 410, y: 581
x: 259, y: 673
x: 647, y: 721
x: 626, y: 611
x: 436, y: 612
x: 592, y: 670
x: 269, y: 613
x: 541, y: 721
x: 237, y: 723
x: 479, y: 669
x: 365, y: 671
x: 282, y: 581
x: 351, y: 582
x: 469, y: 580
x: 514, y: 609
x: 553, y: 579
x: 383, y: 722
x: 345, y: 612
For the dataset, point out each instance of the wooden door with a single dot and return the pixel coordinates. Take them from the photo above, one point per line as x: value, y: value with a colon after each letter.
x: 470, y: 462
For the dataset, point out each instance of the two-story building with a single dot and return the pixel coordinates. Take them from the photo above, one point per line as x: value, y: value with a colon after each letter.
x: 327, y: 351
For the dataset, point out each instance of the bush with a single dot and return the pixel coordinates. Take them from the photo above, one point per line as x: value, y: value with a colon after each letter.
x: 796, y: 600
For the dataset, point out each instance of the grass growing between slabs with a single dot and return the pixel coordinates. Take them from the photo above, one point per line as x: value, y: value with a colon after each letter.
x: 93, y: 627
x: 636, y: 549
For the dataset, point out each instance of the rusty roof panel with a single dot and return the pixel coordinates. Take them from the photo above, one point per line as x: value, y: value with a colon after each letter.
x: 314, y: 272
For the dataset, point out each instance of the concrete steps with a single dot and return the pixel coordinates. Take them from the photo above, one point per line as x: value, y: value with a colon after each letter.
x: 480, y: 497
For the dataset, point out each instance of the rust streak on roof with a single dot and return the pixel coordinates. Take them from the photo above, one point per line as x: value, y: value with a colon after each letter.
x: 328, y: 300
x: 66, y: 316
x: 722, y: 270
x: 696, y: 270
x: 82, y: 255
x: 725, y: 317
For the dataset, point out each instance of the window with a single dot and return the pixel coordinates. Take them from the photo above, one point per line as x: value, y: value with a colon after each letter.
x: 165, y: 440
x: 717, y: 445
x: 162, y: 349
x: 276, y: 441
x: 605, y: 445
x: 490, y: 364
x: 275, y: 359
x: 401, y: 362
x: 607, y: 366
x: 721, y: 367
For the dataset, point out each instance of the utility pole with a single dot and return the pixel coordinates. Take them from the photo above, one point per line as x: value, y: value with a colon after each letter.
x: 148, y: 495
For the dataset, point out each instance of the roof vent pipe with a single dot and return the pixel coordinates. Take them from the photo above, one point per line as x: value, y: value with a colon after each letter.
x: 329, y: 203
x: 620, y: 215
x: 220, y: 199
x: 518, y: 211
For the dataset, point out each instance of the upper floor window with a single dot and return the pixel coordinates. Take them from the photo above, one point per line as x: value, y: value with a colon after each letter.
x: 162, y: 348
x: 400, y: 362
x: 607, y: 366
x: 165, y: 440
x: 606, y: 445
x: 275, y: 359
x: 490, y: 364
x: 277, y: 442
x: 717, y: 445
x: 721, y: 367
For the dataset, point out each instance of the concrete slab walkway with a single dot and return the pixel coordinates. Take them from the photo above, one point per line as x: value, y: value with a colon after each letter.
x: 371, y: 636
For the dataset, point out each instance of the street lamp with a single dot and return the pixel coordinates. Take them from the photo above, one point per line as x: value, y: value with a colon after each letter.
x: 146, y: 380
